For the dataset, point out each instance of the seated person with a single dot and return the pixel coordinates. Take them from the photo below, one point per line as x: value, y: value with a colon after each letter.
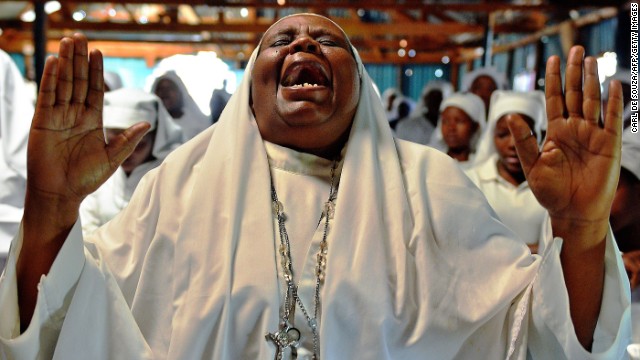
x: 180, y: 105
x: 461, y: 123
x: 423, y: 120
x: 498, y: 171
x: 123, y: 108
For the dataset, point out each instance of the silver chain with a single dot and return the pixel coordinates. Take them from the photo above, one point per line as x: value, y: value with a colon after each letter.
x: 282, y: 338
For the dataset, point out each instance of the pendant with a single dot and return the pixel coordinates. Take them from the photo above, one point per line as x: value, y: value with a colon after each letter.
x: 287, y: 337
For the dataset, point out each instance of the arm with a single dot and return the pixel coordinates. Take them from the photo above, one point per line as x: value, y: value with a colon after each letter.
x: 67, y: 159
x: 574, y: 177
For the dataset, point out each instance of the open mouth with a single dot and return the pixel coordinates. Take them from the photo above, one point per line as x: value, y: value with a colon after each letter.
x: 305, y: 75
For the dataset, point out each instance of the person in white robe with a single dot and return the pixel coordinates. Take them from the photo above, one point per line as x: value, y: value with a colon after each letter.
x: 122, y: 109
x: 16, y: 111
x: 181, y: 106
x: 388, y: 98
x: 625, y: 221
x: 483, y: 82
x: 423, y: 120
x: 497, y: 170
x: 300, y: 194
x: 462, y: 121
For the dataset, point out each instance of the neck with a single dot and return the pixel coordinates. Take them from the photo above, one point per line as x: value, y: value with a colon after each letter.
x: 176, y: 113
x: 514, y: 178
x: 460, y: 154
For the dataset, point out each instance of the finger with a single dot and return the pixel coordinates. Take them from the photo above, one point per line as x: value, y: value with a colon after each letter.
x: 525, y: 142
x: 123, y: 145
x: 634, y: 279
x: 553, y: 90
x: 64, y: 86
x: 95, y: 96
x: 613, y: 117
x: 80, y: 69
x: 573, y: 82
x: 47, y: 92
x: 591, y: 105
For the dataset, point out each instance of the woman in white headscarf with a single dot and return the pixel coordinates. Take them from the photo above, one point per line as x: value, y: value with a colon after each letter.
x: 298, y: 226
x: 423, y: 120
x: 483, y: 82
x: 388, y: 98
x: 497, y: 170
x: 122, y: 109
x: 461, y: 122
x: 175, y: 96
x: 15, y: 111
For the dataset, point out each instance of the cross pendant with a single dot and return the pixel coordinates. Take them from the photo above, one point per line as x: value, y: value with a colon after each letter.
x: 286, y: 337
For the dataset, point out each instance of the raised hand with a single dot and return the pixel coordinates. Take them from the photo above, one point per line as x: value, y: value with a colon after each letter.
x: 575, y: 176
x: 67, y: 159
x: 67, y: 156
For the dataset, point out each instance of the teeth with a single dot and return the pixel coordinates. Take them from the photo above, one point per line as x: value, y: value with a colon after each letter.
x: 297, y: 86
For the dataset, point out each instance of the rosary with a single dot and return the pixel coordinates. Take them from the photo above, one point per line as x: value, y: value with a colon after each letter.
x: 287, y: 336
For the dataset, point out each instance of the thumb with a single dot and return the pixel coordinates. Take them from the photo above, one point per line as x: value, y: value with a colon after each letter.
x: 525, y: 142
x: 119, y: 149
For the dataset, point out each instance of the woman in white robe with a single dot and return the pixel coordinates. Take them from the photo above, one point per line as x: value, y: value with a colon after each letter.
x: 16, y: 111
x: 462, y: 120
x: 497, y: 170
x: 417, y: 265
x: 181, y: 106
x: 123, y: 108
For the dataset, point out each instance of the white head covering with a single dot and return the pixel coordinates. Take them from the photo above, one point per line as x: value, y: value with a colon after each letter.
x: 505, y: 102
x: 445, y: 88
x: 193, y: 120
x: 473, y: 106
x: 498, y: 77
x: 113, y: 80
x: 624, y: 76
x: 126, y: 106
x: 631, y: 152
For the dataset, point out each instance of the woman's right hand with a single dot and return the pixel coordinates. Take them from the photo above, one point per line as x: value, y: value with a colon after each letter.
x: 67, y: 155
x: 67, y: 159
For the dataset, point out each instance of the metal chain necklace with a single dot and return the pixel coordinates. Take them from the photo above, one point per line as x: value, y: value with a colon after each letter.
x: 287, y: 335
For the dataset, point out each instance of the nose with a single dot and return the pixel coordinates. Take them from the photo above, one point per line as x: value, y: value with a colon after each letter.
x: 304, y: 44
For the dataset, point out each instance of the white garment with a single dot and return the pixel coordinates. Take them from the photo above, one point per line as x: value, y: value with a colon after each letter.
x: 16, y: 111
x: 110, y: 198
x: 123, y: 108
x: 193, y: 121
x: 498, y: 77
x: 417, y: 265
x: 516, y: 206
x: 415, y: 129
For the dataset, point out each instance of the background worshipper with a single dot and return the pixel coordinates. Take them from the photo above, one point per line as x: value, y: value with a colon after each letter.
x: 497, y: 170
x: 423, y: 120
x: 407, y: 253
x: 219, y: 99
x: 122, y: 109
x: 625, y: 220
x: 483, y: 82
x: 461, y: 124
x: 403, y: 107
x: 180, y: 105
x: 16, y: 110
x: 623, y: 75
x: 112, y: 81
x: 388, y: 98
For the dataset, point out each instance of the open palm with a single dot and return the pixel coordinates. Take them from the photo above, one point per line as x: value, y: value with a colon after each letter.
x: 575, y: 174
x: 67, y: 155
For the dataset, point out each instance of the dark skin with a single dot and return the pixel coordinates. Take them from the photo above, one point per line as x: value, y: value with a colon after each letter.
x: 171, y: 97
x: 68, y: 158
x: 457, y: 131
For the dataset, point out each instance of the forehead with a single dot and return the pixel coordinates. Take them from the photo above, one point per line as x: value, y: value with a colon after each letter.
x: 313, y: 24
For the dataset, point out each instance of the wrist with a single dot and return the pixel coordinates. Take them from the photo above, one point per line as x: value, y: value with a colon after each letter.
x: 584, y: 235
